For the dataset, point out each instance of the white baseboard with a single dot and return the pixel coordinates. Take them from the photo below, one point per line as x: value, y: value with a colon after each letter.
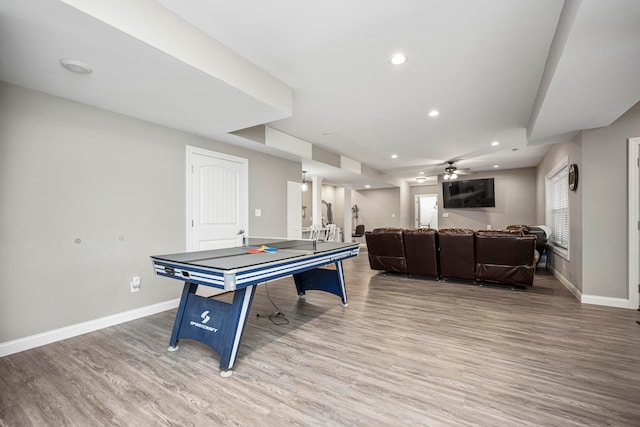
x: 33, y: 341
x: 591, y: 299
x: 606, y: 301
x: 567, y: 284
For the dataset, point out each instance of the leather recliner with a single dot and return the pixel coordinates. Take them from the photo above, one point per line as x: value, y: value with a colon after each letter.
x: 505, y: 257
x: 421, y: 251
x: 386, y: 249
x: 541, y: 235
x: 457, y: 253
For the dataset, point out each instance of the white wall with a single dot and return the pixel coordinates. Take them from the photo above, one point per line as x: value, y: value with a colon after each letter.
x: 69, y: 171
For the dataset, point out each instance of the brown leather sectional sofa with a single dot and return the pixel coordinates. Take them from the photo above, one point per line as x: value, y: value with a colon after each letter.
x: 489, y: 256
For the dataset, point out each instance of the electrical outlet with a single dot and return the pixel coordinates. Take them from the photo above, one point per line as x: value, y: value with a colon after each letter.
x: 135, y: 284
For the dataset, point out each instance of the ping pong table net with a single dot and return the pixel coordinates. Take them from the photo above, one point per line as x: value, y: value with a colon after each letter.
x: 283, y: 244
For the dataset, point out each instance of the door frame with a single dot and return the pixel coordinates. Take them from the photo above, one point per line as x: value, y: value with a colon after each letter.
x: 190, y: 150
x: 416, y: 212
x: 634, y: 221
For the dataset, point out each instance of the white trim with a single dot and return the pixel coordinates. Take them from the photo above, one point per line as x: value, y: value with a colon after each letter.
x: 590, y: 299
x: 248, y: 294
x: 416, y: 209
x: 48, y: 337
x: 634, y: 220
x: 567, y: 284
x: 606, y: 301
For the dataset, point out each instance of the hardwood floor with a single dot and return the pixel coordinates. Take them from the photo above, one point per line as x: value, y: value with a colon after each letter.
x: 406, y: 351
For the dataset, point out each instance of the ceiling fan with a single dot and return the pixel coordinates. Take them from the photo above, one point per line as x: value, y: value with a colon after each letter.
x: 452, y: 172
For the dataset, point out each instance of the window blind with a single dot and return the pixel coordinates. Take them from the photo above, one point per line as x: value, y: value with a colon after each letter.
x: 559, y: 207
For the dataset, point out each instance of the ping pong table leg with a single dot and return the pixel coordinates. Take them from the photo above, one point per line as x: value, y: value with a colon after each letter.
x: 322, y: 279
x: 237, y: 320
x: 343, y: 289
x: 189, y: 288
x: 218, y: 324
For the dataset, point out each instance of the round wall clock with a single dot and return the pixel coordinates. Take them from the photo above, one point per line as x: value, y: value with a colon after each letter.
x: 573, y: 177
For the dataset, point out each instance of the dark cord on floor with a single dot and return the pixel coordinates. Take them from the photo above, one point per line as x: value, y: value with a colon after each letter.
x: 277, y: 317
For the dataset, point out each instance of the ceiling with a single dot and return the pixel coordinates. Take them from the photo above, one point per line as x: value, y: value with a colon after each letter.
x: 525, y: 73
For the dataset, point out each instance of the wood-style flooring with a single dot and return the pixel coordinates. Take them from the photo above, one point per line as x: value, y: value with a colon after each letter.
x: 406, y: 351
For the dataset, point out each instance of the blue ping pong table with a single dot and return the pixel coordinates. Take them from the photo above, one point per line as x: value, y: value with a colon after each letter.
x: 220, y: 325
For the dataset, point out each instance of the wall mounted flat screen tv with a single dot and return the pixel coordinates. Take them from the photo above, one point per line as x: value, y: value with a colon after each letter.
x: 471, y: 193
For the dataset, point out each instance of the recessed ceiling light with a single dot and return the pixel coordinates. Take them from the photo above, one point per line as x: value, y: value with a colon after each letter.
x: 496, y: 166
x: 76, y: 66
x: 495, y: 143
x: 434, y: 113
x: 398, y: 59
x: 367, y: 186
x: 394, y: 156
x: 420, y: 173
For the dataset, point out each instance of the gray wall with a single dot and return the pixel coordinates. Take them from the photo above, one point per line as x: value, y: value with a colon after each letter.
x: 605, y: 234
x: 69, y: 171
x: 378, y: 208
x: 515, y: 202
x: 330, y: 194
x: 570, y: 269
x: 598, y: 258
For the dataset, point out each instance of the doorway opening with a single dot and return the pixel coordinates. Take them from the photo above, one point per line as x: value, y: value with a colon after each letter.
x: 426, y: 213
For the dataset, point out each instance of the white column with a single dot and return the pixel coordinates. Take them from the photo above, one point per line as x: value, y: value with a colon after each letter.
x: 347, y: 226
x: 316, y: 200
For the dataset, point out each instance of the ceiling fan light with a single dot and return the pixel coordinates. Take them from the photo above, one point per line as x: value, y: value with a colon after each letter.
x: 398, y: 59
x: 446, y: 176
x: 454, y: 175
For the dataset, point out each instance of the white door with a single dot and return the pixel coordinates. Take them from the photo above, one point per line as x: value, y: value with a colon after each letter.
x: 294, y: 210
x: 427, y: 211
x: 217, y: 199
